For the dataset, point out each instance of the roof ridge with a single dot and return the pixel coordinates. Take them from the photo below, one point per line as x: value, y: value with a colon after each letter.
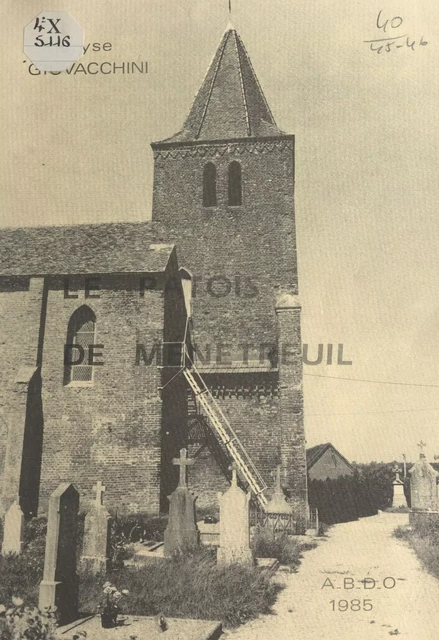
x: 80, y: 225
x: 247, y: 115
x: 209, y: 95
x: 256, y: 77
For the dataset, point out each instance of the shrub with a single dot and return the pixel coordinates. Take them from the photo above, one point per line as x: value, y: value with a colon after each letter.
x: 21, y: 574
x: 140, y: 526
x: 266, y: 544
x: 402, y: 533
x: 20, y: 621
x: 126, y: 530
x: 341, y: 499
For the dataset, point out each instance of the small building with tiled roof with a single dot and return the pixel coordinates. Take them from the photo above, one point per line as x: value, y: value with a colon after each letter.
x: 325, y: 462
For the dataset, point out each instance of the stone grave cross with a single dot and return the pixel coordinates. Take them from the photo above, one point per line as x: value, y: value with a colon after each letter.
x: 396, y: 471
x: 398, y: 489
x: 183, y: 461
x: 422, y: 446
x: 95, y: 549
x: 181, y: 532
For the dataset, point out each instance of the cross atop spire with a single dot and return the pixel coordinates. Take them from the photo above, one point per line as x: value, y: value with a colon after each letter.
x: 230, y: 103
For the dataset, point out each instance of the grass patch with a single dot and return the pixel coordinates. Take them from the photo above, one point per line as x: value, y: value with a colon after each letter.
x: 424, y: 540
x: 267, y: 544
x: 189, y: 585
x: 192, y: 586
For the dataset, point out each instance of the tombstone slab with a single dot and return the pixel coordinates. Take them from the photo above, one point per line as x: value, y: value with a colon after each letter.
x: 95, y: 550
x: 181, y: 532
x: 59, y: 587
x: 234, y: 525
x: 278, y: 502
x: 13, y: 530
x: 399, y: 499
x: 144, y: 628
x: 423, y: 486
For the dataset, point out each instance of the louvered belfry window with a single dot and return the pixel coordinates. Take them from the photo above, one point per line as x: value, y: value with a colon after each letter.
x: 81, y: 332
x: 209, y: 185
x: 235, y: 184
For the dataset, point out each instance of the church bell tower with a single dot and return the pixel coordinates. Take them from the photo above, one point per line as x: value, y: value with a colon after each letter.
x: 224, y: 193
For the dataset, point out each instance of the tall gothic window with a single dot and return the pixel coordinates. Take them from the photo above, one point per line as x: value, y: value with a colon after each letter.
x: 80, y: 335
x: 209, y: 185
x: 235, y: 184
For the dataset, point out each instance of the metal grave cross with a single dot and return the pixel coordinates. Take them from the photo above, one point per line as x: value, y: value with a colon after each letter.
x: 183, y: 461
x: 99, y: 488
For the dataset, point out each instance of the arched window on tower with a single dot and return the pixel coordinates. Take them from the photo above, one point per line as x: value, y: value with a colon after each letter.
x: 209, y: 185
x: 81, y: 333
x: 235, y: 184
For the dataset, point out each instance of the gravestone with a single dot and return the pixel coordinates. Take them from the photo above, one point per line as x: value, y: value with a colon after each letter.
x: 59, y: 587
x: 423, y: 486
x: 234, y: 525
x: 278, y: 502
x: 95, y: 551
x: 399, y: 499
x: 13, y: 530
x: 181, y: 532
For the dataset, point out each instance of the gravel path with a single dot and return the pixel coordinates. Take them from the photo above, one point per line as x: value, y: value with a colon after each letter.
x: 404, y: 598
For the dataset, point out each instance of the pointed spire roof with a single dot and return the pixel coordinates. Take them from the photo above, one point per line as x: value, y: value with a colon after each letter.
x: 230, y: 102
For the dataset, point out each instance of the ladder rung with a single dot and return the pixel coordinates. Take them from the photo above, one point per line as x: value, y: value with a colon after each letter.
x: 234, y: 446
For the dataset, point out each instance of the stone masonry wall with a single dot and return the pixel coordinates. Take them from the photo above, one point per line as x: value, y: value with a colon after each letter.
x: 109, y: 430
x: 253, y: 245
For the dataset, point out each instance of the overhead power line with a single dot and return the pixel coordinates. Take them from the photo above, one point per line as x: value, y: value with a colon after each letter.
x: 404, y: 384
x: 363, y: 413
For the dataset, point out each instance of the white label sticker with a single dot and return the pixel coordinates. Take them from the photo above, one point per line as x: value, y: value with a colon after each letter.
x: 53, y: 41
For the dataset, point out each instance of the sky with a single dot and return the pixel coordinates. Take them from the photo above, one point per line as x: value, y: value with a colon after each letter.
x: 75, y: 149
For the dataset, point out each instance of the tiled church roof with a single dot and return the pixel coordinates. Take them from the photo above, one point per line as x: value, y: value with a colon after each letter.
x: 230, y: 103
x: 94, y: 248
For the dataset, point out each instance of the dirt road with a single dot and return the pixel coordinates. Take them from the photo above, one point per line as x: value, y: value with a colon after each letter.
x: 362, y: 568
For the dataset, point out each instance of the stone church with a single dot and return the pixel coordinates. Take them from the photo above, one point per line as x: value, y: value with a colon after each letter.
x: 123, y: 342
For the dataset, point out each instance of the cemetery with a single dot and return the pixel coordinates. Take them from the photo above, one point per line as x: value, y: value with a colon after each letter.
x: 84, y: 572
x: 89, y: 572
